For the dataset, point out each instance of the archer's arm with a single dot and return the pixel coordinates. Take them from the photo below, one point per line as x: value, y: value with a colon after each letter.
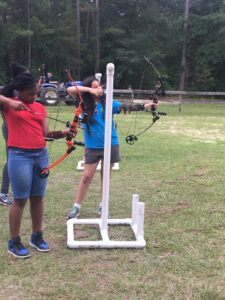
x: 57, y: 134
x: 16, y: 105
x: 72, y: 90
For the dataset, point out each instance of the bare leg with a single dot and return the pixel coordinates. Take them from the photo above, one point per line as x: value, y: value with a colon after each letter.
x: 37, y: 212
x: 86, y: 179
x: 15, y: 217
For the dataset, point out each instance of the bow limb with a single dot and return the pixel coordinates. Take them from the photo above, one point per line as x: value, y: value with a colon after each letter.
x: 154, y: 68
x: 161, y: 89
x: 70, y: 148
x: 130, y: 139
x: 45, y: 172
x: 79, y: 110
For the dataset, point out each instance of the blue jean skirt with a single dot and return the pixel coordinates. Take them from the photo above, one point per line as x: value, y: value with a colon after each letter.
x: 24, y: 166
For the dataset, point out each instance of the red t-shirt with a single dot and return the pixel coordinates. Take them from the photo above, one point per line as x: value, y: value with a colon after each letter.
x: 26, y: 129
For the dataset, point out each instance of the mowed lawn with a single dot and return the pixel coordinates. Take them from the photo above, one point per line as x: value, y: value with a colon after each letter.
x: 178, y: 170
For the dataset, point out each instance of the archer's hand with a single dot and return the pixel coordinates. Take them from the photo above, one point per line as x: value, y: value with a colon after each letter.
x: 97, y: 92
x: 67, y: 131
x: 17, y: 105
x: 152, y: 106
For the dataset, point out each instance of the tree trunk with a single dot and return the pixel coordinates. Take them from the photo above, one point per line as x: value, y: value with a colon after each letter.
x: 184, y: 52
x: 97, y: 30
x: 78, y: 38
x: 29, y: 34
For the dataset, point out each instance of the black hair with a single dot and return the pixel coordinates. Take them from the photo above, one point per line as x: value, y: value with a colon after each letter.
x: 17, y: 69
x: 89, y: 102
x: 21, y: 80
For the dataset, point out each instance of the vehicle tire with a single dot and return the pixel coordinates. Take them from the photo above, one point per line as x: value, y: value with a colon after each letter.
x: 49, y: 96
x: 69, y: 100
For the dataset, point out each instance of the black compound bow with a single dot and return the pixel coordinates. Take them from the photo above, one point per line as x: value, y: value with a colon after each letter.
x: 159, y: 91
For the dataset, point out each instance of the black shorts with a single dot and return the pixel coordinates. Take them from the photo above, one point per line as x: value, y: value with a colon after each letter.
x: 93, y: 156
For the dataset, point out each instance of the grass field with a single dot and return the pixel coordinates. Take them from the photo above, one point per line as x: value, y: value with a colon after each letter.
x: 178, y: 169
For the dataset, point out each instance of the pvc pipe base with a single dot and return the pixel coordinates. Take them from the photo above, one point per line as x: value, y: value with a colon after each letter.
x: 136, y: 223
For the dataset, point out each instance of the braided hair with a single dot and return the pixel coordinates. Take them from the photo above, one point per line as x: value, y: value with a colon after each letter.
x: 21, y: 80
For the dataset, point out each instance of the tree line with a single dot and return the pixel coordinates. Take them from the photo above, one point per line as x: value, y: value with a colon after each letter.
x: 84, y: 35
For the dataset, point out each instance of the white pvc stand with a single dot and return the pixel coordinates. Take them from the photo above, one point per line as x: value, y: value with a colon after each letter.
x: 137, y: 220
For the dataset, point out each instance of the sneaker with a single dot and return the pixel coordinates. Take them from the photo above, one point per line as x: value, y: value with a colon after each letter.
x: 17, y: 249
x: 38, y: 243
x: 5, y: 200
x: 73, y: 213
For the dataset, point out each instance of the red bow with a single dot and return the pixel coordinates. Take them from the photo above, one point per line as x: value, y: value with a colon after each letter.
x: 71, y: 134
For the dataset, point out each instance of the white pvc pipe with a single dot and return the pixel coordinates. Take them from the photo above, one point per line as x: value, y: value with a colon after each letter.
x: 135, y: 199
x: 107, y: 147
x: 75, y: 221
x: 98, y: 76
x: 107, y: 244
x: 140, y: 219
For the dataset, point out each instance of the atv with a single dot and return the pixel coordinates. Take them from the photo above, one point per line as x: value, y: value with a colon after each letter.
x: 48, y: 90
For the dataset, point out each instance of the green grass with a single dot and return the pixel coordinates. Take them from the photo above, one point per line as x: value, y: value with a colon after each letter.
x: 177, y: 168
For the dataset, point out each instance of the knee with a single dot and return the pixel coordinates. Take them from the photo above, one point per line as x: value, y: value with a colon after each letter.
x: 87, y: 178
x: 35, y: 199
x: 20, y: 203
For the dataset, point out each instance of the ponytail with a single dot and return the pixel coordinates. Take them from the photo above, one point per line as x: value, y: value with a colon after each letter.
x: 8, y: 90
x: 22, y: 80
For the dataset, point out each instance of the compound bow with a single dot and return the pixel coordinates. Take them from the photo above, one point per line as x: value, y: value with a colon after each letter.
x: 159, y: 91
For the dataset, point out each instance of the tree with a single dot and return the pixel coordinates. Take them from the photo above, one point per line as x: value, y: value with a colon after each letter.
x: 59, y: 34
x: 184, y: 51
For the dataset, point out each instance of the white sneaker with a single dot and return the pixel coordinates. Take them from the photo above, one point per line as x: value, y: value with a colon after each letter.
x: 5, y: 200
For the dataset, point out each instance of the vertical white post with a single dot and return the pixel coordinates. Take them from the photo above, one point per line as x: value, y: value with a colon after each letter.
x: 135, y: 199
x: 107, y: 147
x: 140, y: 219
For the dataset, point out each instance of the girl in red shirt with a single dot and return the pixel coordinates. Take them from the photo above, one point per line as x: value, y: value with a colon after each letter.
x: 27, y: 127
